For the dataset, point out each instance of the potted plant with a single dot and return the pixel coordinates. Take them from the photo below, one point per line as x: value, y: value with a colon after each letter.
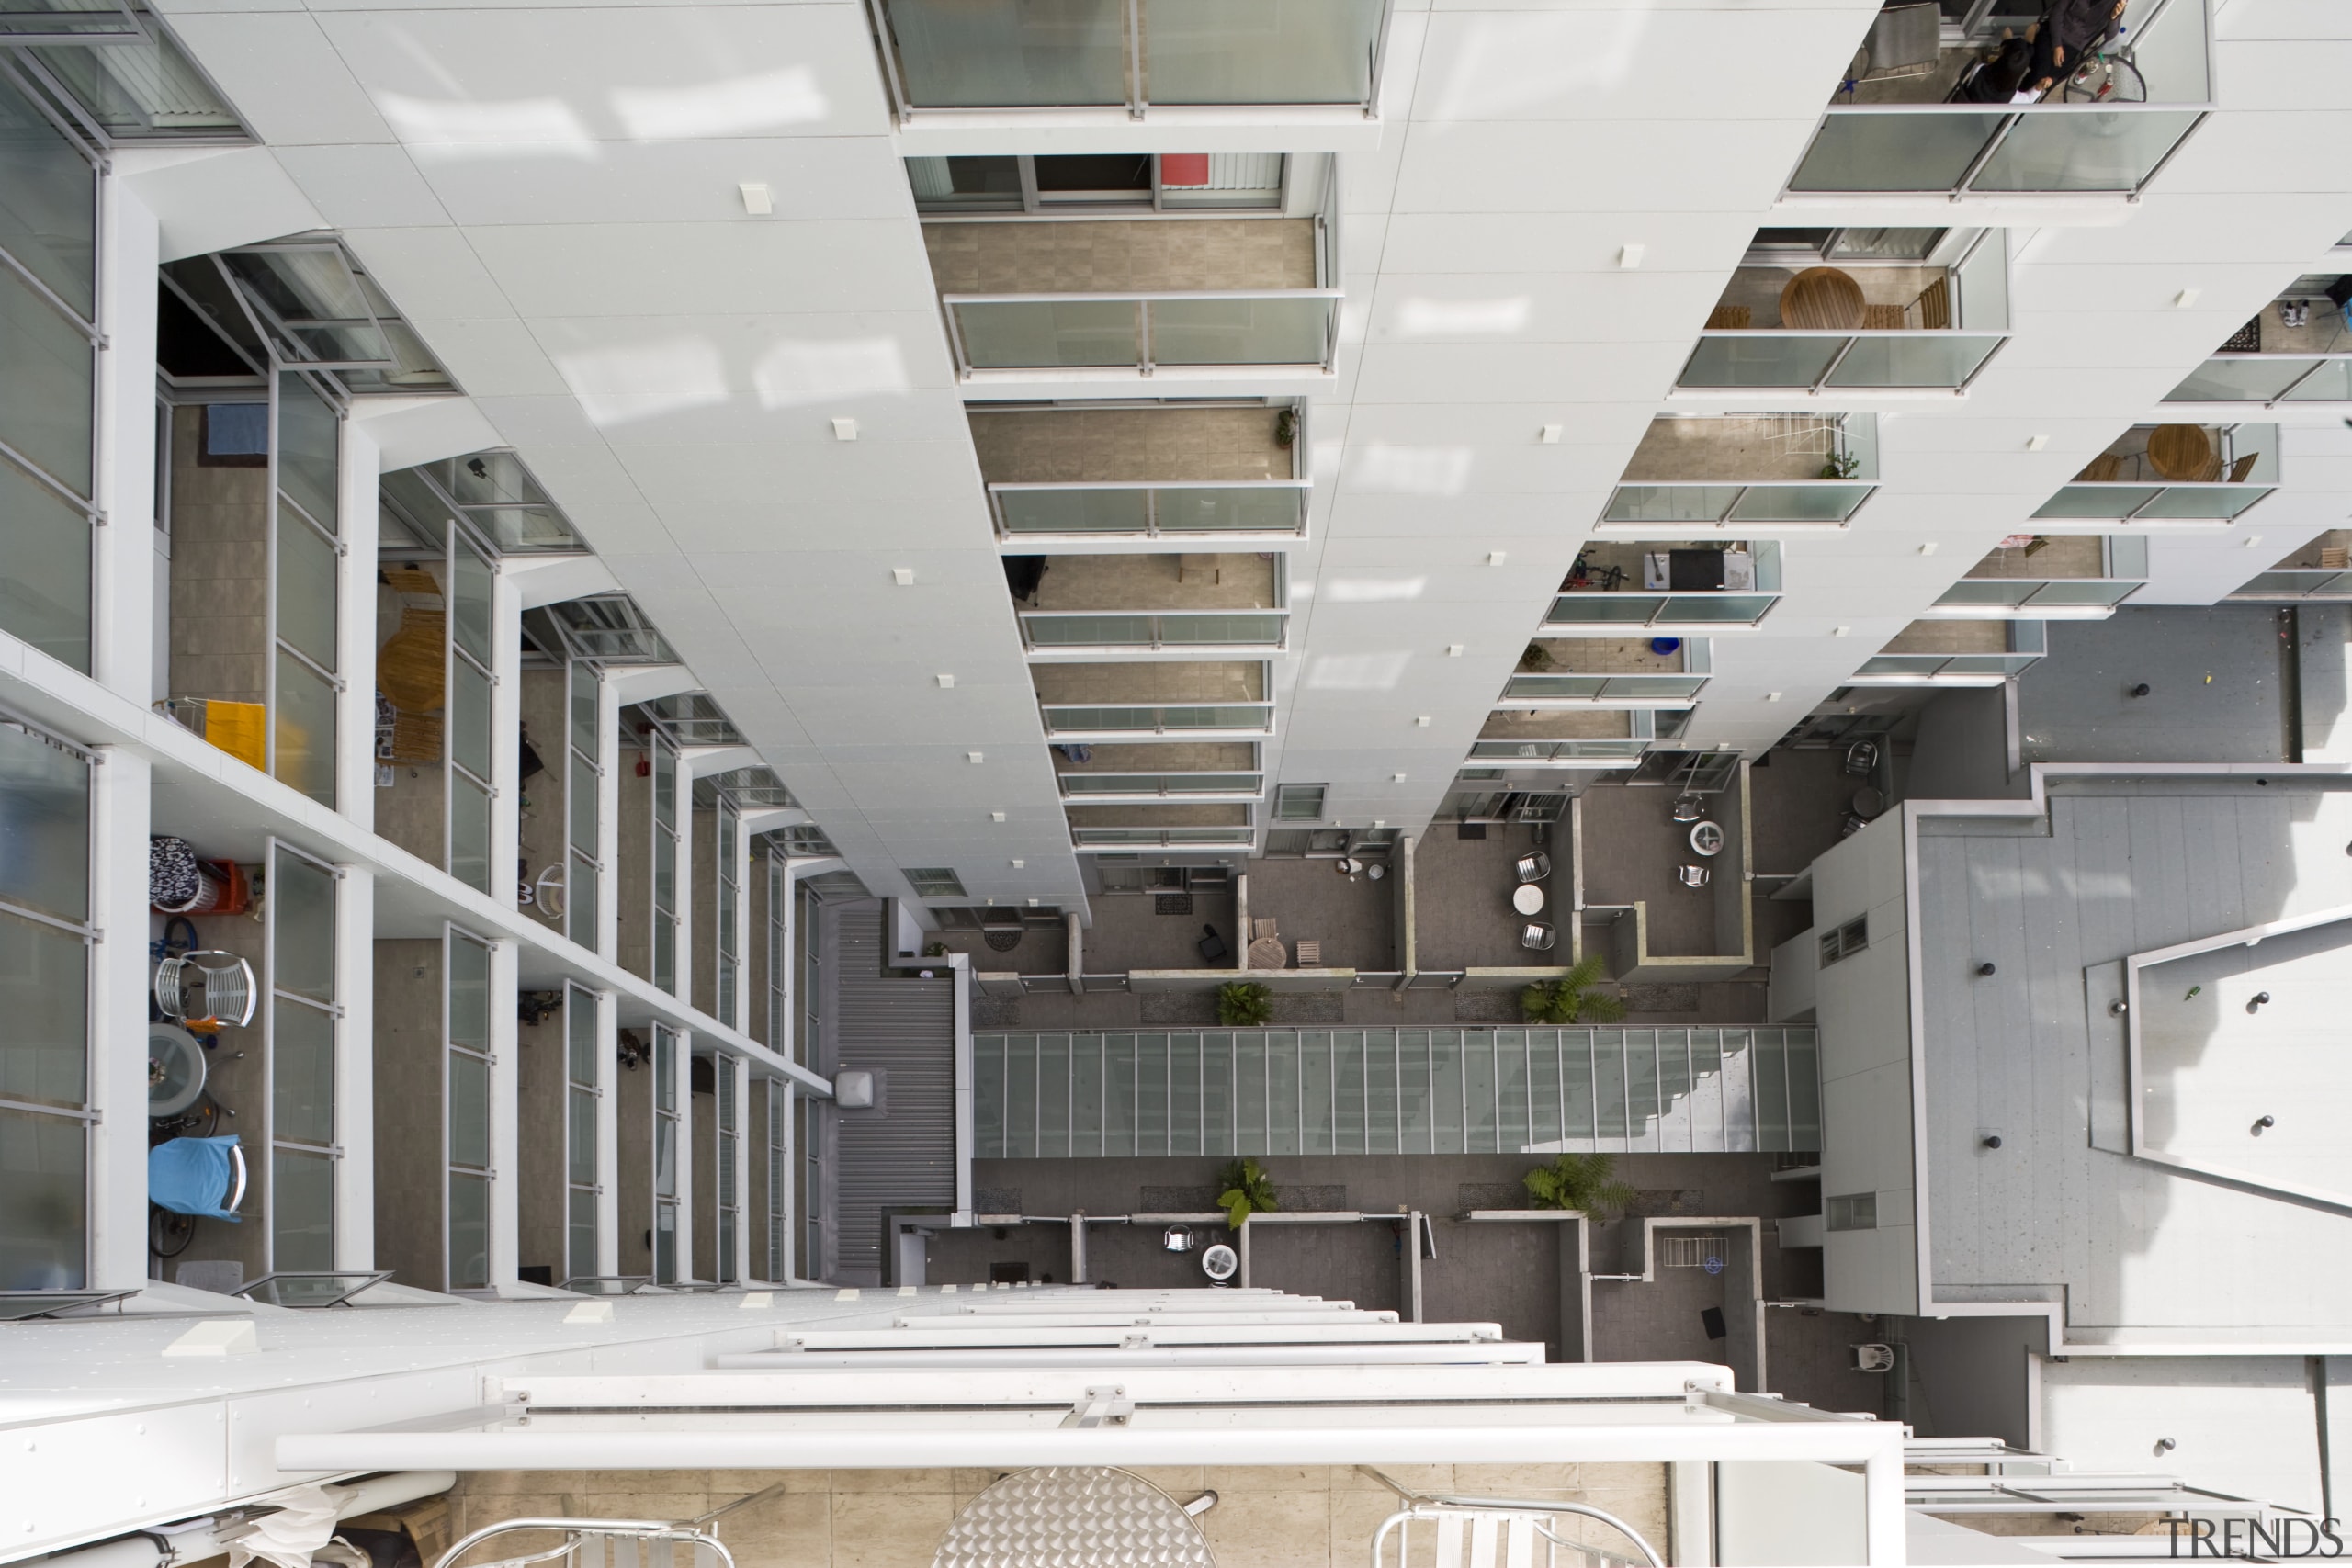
x: 1841, y: 465
x: 1586, y: 1183
x: 1286, y: 429
x: 1572, y: 999
x: 1247, y: 1189
x: 1243, y: 1004
x: 1537, y: 657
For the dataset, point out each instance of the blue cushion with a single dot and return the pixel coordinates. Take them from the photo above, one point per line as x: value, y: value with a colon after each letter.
x: 192, y: 1176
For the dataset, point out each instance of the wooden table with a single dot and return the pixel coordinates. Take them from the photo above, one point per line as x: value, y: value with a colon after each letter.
x: 1268, y: 952
x: 2179, y: 452
x: 1822, y: 299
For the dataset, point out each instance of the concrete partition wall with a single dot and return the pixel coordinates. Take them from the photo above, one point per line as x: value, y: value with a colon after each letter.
x: 1631, y: 957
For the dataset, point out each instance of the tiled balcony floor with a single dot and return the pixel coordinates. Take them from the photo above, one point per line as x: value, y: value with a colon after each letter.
x: 1140, y: 254
x: 1461, y: 890
x: 1355, y: 919
x: 1068, y: 446
x: 1132, y: 582
x: 1738, y: 450
x: 1557, y: 724
x: 1952, y: 636
x: 1148, y: 682
x: 2061, y: 556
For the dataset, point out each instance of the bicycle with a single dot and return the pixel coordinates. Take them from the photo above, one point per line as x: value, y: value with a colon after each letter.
x: 2106, y: 76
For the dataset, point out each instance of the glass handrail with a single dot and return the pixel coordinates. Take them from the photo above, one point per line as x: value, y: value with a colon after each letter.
x: 1160, y: 785
x: 2019, y: 150
x: 2268, y: 378
x: 1590, y: 688
x: 1027, y: 55
x: 1176, y: 628
x: 1765, y: 500
x: 1069, y: 719
x: 2297, y: 582
x: 2017, y: 593
x: 1144, y: 329
x: 1933, y: 360
x: 2128, y: 502
x: 1166, y: 838
x: 1644, y: 609
x: 1555, y: 750
x: 1148, y: 509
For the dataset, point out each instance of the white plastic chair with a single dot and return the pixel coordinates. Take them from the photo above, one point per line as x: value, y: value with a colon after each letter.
x: 1492, y: 1532
x: 219, y: 984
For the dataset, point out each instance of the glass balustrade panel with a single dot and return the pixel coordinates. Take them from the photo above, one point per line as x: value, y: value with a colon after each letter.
x: 1010, y: 53
x: 1921, y: 359
x: 1760, y: 359
x: 1039, y: 335
x: 2077, y: 147
x: 1895, y: 152
x: 1240, y: 332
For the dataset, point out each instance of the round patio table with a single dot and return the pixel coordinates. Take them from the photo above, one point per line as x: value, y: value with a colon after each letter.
x: 1706, y: 839
x: 1528, y: 899
x: 1822, y: 299
x: 1073, y: 1517
x: 2179, y: 452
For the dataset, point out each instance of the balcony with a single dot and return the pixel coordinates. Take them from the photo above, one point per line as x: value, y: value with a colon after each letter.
x: 1954, y: 653
x: 2296, y: 353
x: 1126, y: 701
x: 1192, y: 772
x: 1093, y: 604
x: 2321, y: 571
x: 1860, y: 327
x: 1712, y: 583
x: 1565, y: 738
x: 1904, y: 119
x: 1133, y: 297
x: 2080, y: 577
x: 1610, y: 672
x: 1755, y: 470
x: 2172, y: 473
x: 1076, y: 475
x: 1144, y: 57
x: 1164, y: 827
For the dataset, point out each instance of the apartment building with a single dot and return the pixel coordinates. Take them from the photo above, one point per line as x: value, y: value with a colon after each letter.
x: 739, y: 689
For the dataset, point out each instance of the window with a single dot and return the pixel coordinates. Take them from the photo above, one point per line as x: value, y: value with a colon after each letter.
x: 49, y: 336
x: 730, y: 1144
x: 1098, y: 182
x: 468, y: 714
x: 936, y: 882
x: 664, y: 760
x: 779, y: 951
x: 666, y: 1067
x: 45, y: 937
x: 805, y: 841
x: 1854, y: 1211
x: 586, y: 784
x: 812, y: 1178
x: 728, y: 936
x: 776, y: 1097
x: 582, y: 1093
x: 1845, y: 941
x: 465, y: 1092
x: 1299, y: 803
x: 304, y: 1020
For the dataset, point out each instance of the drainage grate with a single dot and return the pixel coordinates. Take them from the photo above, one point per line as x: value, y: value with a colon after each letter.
x: 1171, y: 903
x: 1692, y: 1252
x: 1001, y: 941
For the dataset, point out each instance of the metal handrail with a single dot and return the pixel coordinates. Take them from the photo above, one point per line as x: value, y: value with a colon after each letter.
x: 1122, y: 296
x: 1149, y: 484
x: 579, y: 1532
x: 1435, y: 1506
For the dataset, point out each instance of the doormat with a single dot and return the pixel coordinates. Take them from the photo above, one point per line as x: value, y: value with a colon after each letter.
x: 1171, y: 903
x: 1470, y: 831
x: 996, y: 1012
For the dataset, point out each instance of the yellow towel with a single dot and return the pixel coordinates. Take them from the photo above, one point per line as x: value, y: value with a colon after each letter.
x: 236, y: 729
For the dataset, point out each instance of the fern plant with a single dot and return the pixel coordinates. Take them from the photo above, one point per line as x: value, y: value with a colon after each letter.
x: 1572, y: 998
x: 1587, y: 1183
x: 1841, y: 465
x: 1243, y: 1004
x: 1248, y: 1191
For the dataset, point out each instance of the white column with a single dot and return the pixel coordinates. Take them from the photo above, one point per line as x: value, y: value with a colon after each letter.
x: 744, y: 1132
x: 683, y: 1067
x: 790, y: 1203
x: 506, y: 1119
x: 608, y: 1136
x: 608, y: 819
x: 355, y: 1070
x: 505, y: 734
x: 683, y: 970
x: 355, y: 653
x: 118, y: 990
x: 124, y: 624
